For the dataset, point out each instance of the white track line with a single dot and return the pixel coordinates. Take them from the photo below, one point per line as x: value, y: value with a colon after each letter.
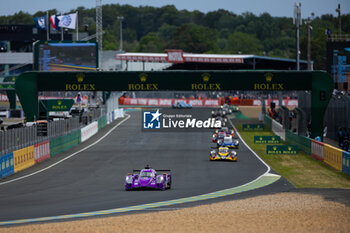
x: 256, y: 155
x: 70, y: 156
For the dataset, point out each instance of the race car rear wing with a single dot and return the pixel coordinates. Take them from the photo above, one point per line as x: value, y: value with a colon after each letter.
x: 157, y: 170
x: 163, y: 170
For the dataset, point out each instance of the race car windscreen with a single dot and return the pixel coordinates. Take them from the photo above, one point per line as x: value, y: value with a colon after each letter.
x: 146, y: 174
x: 223, y: 150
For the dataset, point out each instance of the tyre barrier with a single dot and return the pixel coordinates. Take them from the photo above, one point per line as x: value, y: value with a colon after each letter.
x: 346, y: 162
x: 317, y: 149
x: 23, y: 158
x: 6, y: 165
x: 42, y: 151
x: 333, y: 157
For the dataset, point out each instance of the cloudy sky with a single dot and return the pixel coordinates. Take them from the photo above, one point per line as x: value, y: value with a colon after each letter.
x: 274, y: 7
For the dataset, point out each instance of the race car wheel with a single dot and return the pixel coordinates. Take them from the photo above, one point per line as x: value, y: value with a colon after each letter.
x: 169, y: 183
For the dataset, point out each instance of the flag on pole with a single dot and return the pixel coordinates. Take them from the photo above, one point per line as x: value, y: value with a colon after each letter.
x: 40, y: 22
x: 54, y: 22
x: 67, y: 21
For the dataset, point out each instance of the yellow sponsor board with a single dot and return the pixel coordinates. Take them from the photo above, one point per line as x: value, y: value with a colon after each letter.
x: 23, y: 158
x: 333, y: 156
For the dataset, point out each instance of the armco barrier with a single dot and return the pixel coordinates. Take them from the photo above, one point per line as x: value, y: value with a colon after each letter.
x: 317, y: 149
x: 333, y: 156
x: 64, y: 142
x: 277, y: 128
x: 23, y: 158
x: 303, y: 143
x: 89, y: 131
x: 268, y: 122
x: 346, y: 162
x: 118, y: 113
x: 6, y: 165
x: 41, y: 151
x: 102, y: 122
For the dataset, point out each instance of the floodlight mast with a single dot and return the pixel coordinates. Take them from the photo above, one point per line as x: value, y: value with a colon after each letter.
x: 99, y: 32
x: 339, y: 19
x: 297, y: 22
x: 121, y: 18
x: 309, y: 28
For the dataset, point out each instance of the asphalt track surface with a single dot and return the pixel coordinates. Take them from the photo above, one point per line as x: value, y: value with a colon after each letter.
x: 94, y: 179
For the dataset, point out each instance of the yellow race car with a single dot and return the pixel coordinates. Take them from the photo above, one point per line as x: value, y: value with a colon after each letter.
x: 223, y: 153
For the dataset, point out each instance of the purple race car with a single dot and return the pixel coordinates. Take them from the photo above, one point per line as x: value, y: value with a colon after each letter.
x: 148, y: 178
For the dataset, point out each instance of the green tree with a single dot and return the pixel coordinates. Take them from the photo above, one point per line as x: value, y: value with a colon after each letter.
x: 110, y: 42
x: 166, y: 32
x: 151, y: 43
x: 194, y: 39
x: 239, y: 42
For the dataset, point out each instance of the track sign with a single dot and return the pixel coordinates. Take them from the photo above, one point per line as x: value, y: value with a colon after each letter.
x: 267, y: 139
x: 253, y: 127
x: 281, y: 150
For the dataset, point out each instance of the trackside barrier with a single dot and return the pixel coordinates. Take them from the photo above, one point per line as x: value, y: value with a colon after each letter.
x: 6, y: 165
x: 118, y: 113
x: 102, y: 122
x: 268, y: 122
x: 88, y: 131
x: 23, y: 158
x: 346, y: 162
x: 26, y: 157
x: 277, y: 128
x: 317, y: 149
x: 246, y: 102
x: 64, y: 142
x: 170, y: 102
x: 303, y: 143
x: 333, y: 156
x: 42, y: 151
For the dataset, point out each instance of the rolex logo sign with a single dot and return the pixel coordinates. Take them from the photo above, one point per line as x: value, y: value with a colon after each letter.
x: 206, y: 77
x: 143, y: 77
x: 80, y: 86
x: 268, y: 84
x: 80, y: 77
x: 268, y: 77
x: 206, y: 85
x: 59, y: 102
x: 143, y: 85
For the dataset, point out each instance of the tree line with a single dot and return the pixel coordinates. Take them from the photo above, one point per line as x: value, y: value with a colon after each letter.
x: 151, y: 29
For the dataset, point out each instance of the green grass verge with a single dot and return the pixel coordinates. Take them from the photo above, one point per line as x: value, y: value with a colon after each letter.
x: 302, y: 170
